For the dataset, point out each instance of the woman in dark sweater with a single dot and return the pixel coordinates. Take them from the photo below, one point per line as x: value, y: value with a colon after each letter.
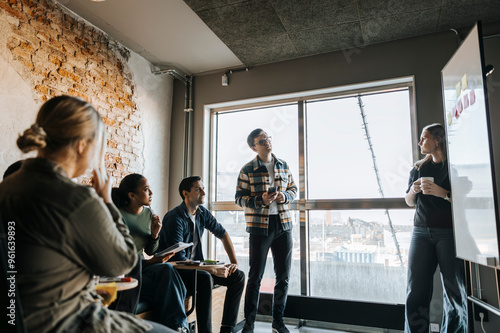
x: 432, y: 242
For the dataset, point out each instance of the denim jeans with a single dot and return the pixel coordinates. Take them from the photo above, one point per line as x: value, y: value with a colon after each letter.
x: 235, y: 284
x: 163, y: 288
x: 431, y: 247
x: 281, y: 243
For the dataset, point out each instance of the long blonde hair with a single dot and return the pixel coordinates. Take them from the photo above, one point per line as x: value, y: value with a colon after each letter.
x: 61, y: 122
x: 438, y: 133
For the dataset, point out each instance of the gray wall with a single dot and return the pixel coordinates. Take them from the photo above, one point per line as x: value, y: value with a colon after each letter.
x: 422, y: 57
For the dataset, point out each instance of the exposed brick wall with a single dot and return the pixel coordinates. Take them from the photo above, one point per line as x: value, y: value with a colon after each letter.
x: 59, y: 53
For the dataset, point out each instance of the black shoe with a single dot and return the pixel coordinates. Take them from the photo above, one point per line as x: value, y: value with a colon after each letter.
x: 226, y: 329
x: 279, y: 327
x: 248, y: 328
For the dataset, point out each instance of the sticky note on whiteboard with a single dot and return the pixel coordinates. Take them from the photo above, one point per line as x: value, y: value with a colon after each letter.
x: 464, y: 82
x: 457, y: 87
x: 472, y: 97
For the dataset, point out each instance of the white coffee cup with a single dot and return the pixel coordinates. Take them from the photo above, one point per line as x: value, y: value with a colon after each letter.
x: 422, y: 179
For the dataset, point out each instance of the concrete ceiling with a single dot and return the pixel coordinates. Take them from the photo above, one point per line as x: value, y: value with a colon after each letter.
x: 165, y: 32
x: 199, y: 36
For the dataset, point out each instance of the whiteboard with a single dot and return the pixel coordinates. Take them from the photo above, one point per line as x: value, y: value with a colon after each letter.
x: 470, y: 153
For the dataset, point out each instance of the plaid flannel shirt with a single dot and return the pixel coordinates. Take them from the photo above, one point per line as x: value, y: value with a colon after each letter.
x: 253, y: 181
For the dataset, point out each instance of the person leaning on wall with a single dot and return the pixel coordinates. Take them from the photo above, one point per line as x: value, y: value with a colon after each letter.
x: 67, y: 232
x: 432, y: 242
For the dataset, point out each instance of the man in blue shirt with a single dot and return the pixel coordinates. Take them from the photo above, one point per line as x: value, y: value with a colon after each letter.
x: 186, y: 223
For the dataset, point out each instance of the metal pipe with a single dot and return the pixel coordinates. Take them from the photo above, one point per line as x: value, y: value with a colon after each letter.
x: 174, y: 73
x: 188, y: 117
x: 484, y: 305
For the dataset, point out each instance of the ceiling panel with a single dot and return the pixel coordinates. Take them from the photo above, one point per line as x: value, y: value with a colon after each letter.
x: 199, y: 36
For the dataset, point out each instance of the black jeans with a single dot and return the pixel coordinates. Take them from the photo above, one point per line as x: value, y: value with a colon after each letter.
x: 234, y: 283
x: 281, y: 243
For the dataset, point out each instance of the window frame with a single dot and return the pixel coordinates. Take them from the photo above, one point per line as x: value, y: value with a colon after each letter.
x: 304, y: 205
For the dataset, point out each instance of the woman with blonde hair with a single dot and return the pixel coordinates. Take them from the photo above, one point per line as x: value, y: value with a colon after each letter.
x: 66, y: 232
x: 432, y: 242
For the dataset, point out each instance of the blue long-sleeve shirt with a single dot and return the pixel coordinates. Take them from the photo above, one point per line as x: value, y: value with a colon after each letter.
x: 178, y: 227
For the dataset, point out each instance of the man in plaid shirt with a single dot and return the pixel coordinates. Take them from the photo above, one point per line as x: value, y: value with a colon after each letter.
x: 265, y: 187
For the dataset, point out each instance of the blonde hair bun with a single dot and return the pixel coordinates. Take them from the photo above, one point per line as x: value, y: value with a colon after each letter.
x: 34, y: 138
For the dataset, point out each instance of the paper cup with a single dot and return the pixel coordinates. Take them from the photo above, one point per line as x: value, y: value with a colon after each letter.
x: 422, y: 179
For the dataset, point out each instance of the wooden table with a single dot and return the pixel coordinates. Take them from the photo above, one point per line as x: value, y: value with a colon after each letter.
x: 120, y: 286
x: 201, y: 267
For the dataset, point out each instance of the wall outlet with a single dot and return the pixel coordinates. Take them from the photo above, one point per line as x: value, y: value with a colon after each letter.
x: 434, y: 327
x: 478, y: 310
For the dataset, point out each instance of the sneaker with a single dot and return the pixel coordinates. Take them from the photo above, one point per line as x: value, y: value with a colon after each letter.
x: 279, y: 327
x: 248, y: 328
x: 226, y: 329
x: 182, y: 330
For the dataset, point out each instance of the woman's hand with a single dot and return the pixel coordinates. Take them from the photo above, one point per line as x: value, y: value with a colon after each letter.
x: 155, y: 226
x: 102, y: 190
x: 416, y: 187
x: 431, y: 188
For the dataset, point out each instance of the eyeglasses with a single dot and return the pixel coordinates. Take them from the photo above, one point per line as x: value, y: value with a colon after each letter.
x: 263, y: 142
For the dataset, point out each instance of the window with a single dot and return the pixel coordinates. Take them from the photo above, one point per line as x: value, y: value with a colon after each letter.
x: 350, y: 152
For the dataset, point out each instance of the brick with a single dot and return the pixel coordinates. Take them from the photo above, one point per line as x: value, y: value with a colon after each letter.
x: 55, y: 49
x: 29, y: 3
x: 55, y: 60
x: 42, y: 89
x: 13, y: 42
x: 73, y: 92
x: 65, y: 55
x: 22, y: 54
x: 111, y: 144
x: 69, y: 75
x: 40, y: 69
x: 80, y: 42
x: 12, y: 11
x: 42, y: 36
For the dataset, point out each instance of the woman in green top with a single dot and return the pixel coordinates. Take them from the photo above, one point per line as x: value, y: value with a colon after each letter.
x: 161, y: 285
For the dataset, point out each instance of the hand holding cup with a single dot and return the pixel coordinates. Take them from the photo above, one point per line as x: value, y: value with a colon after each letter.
x: 426, y: 184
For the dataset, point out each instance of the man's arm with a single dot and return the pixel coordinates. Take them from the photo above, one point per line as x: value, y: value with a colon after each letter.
x: 228, y: 246
x: 291, y: 190
x: 172, y: 232
x: 233, y: 266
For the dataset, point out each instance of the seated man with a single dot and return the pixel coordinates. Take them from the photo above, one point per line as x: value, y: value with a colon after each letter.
x: 186, y: 223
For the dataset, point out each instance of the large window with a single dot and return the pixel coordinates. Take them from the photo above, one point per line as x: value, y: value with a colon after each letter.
x: 350, y: 154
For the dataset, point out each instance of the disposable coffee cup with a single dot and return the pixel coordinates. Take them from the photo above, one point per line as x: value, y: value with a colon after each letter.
x: 422, y: 179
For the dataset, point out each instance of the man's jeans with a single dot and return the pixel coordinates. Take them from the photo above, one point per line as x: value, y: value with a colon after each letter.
x: 281, y: 243
x: 431, y: 247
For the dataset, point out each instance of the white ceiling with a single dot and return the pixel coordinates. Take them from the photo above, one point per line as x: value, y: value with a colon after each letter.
x: 167, y: 33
